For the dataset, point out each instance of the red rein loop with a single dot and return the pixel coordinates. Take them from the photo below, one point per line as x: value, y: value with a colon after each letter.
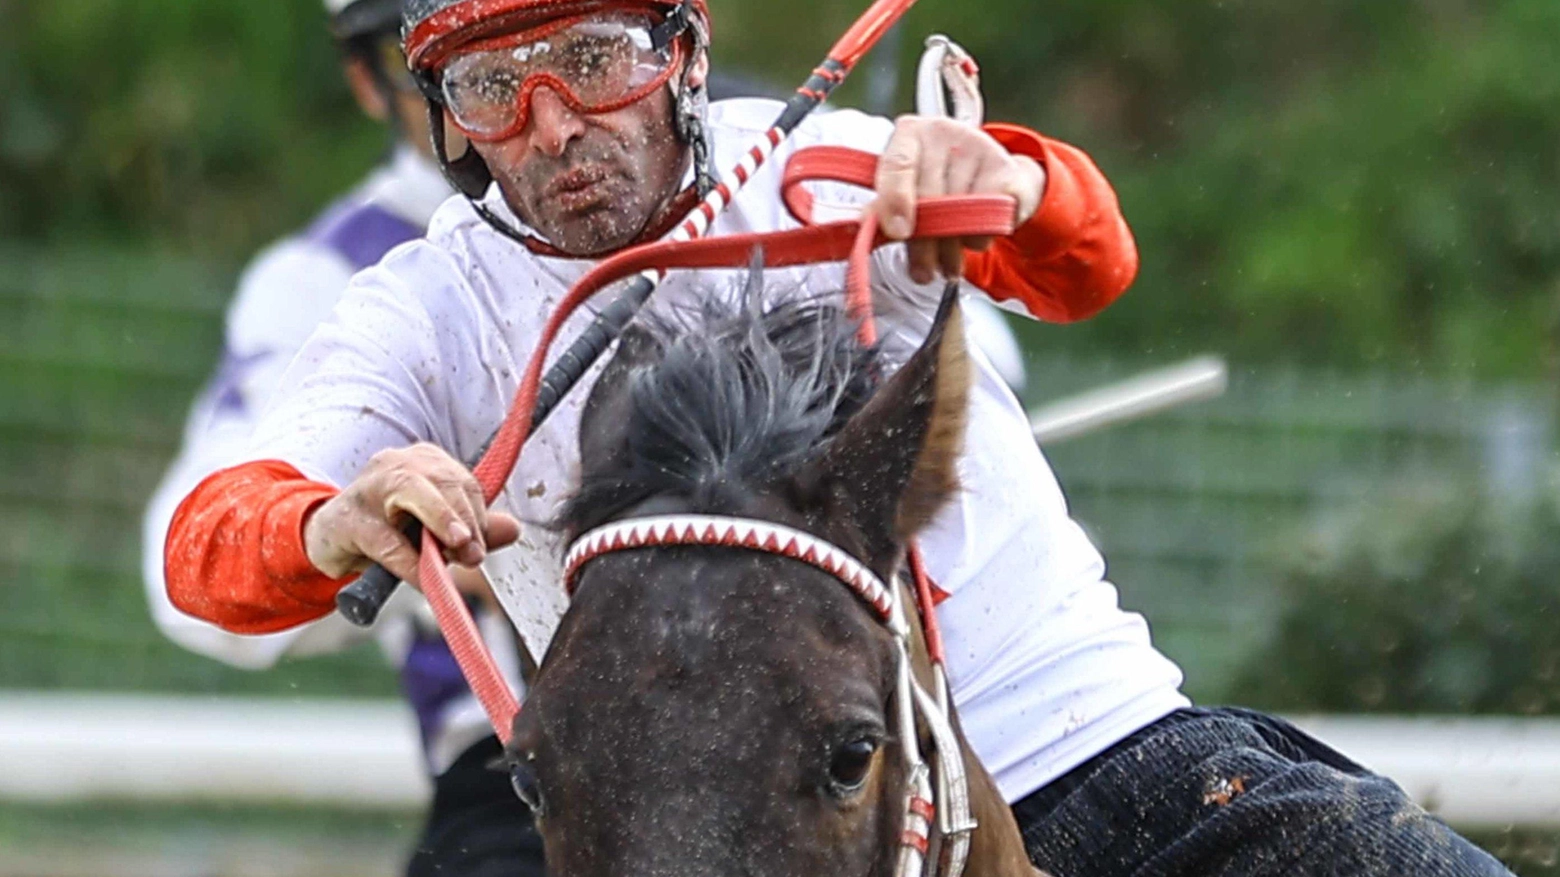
x: 946, y: 216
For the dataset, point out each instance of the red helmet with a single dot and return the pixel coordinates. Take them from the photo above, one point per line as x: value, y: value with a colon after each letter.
x: 432, y: 29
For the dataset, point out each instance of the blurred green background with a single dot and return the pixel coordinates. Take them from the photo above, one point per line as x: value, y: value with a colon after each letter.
x: 1357, y: 203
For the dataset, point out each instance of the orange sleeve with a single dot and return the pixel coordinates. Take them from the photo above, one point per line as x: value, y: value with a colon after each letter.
x: 234, y: 554
x: 1076, y: 254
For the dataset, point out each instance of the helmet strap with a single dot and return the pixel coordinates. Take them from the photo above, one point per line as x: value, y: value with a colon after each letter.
x: 691, y: 104
x: 690, y: 111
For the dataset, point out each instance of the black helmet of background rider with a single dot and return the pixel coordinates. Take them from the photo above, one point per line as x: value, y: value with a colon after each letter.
x: 432, y: 30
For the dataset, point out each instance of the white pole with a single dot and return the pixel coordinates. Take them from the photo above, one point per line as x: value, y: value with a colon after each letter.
x: 1204, y: 377
x: 78, y: 747
x: 1474, y: 772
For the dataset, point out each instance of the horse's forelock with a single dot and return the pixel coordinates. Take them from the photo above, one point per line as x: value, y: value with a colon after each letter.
x: 735, y: 393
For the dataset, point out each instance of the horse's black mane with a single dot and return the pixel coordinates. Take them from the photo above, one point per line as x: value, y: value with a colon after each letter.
x: 735, y: 394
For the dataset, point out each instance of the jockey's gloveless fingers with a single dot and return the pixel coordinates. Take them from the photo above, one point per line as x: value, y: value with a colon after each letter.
x: 362, y: 524
x: 931, y: 157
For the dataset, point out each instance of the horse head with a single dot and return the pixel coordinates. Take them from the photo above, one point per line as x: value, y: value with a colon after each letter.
x: 712, y: 710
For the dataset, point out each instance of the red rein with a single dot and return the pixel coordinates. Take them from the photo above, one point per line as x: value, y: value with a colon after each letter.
x: 947, y: 216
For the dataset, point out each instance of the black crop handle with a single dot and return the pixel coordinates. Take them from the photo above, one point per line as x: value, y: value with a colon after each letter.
x: 361, y: 601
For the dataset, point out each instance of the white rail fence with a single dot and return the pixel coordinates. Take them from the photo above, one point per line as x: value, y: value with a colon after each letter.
x: 57, y: 748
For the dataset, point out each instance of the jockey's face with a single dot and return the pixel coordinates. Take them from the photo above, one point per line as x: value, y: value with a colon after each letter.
x: 591, y: 182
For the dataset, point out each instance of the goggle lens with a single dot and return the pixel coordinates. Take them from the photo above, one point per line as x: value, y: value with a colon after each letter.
x: 595, y: 65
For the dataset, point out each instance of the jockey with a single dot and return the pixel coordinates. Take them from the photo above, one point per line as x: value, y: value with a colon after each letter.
x: 585, y: 131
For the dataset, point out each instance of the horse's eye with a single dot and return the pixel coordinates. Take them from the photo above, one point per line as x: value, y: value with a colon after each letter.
x: 849, y: 764
x: 522, y: 777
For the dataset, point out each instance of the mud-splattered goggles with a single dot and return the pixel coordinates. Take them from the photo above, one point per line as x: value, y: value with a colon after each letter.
x: 595, y: 64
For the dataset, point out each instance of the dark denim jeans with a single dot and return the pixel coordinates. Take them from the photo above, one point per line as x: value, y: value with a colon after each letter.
x: 1234, y: 793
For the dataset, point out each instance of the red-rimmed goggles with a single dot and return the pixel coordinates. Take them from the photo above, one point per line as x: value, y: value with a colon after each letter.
x: 593, y: 63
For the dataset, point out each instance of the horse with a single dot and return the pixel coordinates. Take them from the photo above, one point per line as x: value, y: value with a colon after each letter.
x: 711, y: 710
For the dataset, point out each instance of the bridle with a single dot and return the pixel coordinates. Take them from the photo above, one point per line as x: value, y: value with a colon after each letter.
x: 937, y: 791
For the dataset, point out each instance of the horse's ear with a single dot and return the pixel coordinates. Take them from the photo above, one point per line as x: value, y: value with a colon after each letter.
x: 894, y: 464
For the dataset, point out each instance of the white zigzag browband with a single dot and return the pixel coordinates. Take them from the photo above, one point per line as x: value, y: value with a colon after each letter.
x: 663, y: 530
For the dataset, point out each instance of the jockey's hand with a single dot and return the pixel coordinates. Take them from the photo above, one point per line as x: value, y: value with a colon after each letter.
x: 928, y: 155
x: 362, y: 525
